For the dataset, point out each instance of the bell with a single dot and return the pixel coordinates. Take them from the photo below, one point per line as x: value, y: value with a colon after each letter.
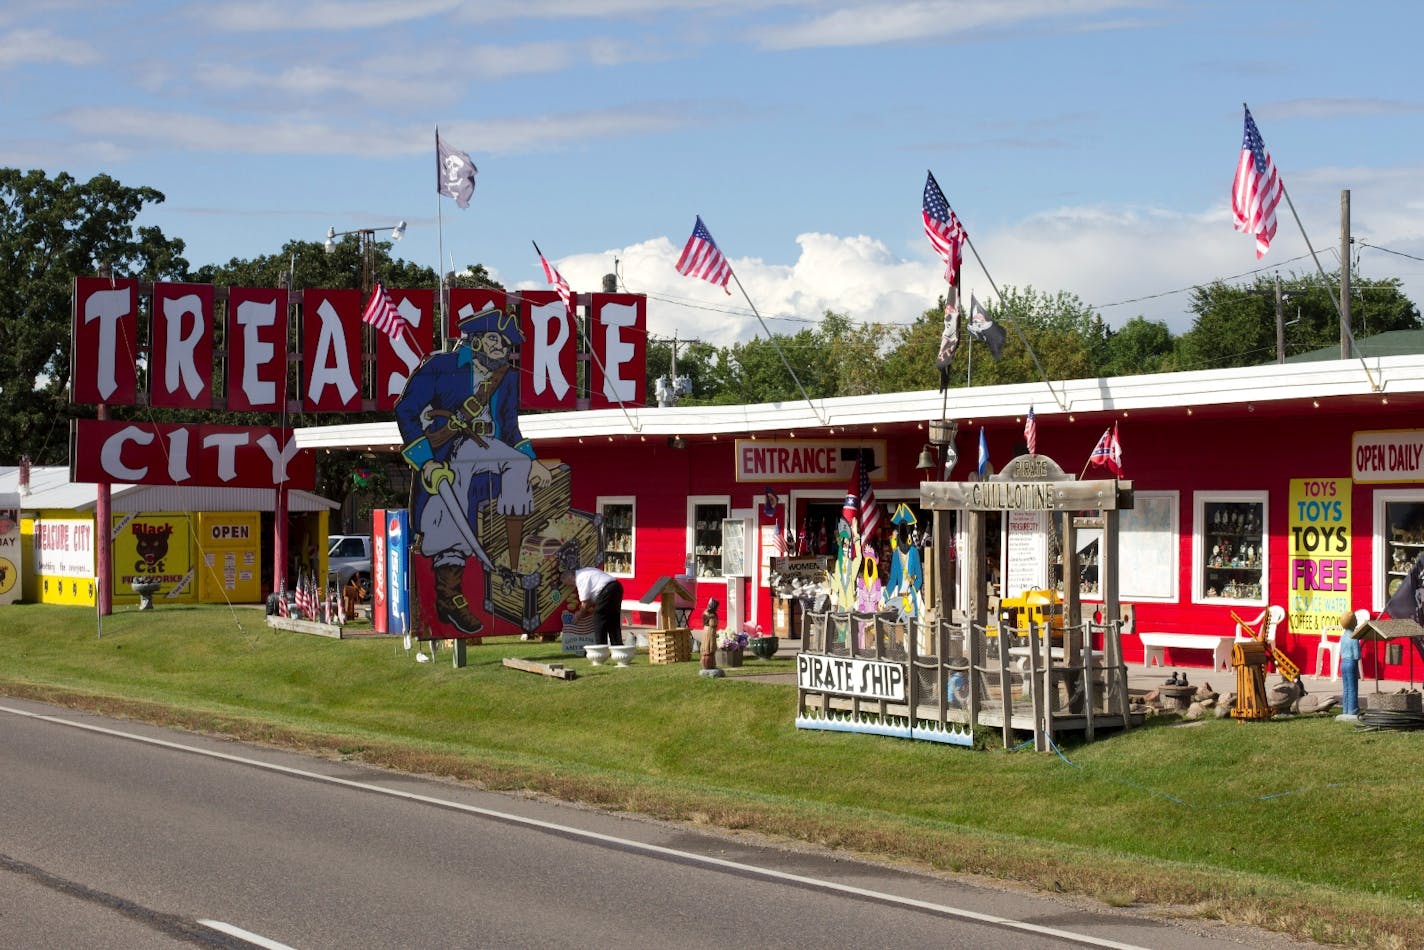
x: 927, y: 460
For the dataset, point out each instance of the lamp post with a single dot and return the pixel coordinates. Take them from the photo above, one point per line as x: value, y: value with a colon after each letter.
x: 368, y: 242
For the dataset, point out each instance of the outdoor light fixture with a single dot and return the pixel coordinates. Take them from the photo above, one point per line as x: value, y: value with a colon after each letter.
x: 367, y: 235
x: 368, y: 241
x: 677, y: 442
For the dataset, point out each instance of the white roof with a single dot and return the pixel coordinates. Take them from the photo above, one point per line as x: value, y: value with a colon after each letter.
x: 50, y: 487
x: 1254, y: 385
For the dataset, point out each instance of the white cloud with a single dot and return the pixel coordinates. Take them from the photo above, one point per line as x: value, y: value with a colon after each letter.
x: 155, y: 130
x: 331, y: 15
x: 23, y: 47
x: 867, y: 24
x: 1123, y: 262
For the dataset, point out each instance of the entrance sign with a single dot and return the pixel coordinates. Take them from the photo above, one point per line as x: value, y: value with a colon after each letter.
x: 805, y: 460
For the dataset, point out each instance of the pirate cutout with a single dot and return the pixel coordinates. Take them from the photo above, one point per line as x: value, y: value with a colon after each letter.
x: 459, y: 420
x: 907, y: 579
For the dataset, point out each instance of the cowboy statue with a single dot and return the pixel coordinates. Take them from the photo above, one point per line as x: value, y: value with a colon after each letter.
x: 459, y: 420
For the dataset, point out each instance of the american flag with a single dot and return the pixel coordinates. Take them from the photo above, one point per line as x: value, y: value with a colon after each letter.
x: 702, y: 258
x: 869, y: 510
x: 382, y: 314
x: 556, y: 280
x: 1108, y: 452
x: 1031, y: 432
x: 1257, y: 189
x: 778, y: 544
x: 945, y: 232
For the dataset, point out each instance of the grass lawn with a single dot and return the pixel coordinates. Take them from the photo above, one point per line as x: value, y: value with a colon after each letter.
x: 1302, y: 825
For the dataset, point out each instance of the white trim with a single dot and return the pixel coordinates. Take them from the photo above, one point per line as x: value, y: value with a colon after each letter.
x: 1125, y: 565
x: 1260, y: 385
x: 631, y: 501
x: 1199, y: 501
x: 1380, y: 542
x: 692, y: 502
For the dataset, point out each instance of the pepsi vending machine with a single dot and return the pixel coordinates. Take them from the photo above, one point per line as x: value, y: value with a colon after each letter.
x: 397, y: 536
x: 378, y: 570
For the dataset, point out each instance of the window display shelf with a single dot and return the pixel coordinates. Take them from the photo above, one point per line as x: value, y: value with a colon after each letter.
x: 617, y: 535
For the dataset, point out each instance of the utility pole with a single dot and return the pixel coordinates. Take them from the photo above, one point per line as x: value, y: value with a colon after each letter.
x: 1280, y: 325
x: 1345, y: 333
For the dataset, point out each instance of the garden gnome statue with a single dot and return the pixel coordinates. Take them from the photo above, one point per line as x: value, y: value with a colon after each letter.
x: 1350, y: 665
x: 709, y: 640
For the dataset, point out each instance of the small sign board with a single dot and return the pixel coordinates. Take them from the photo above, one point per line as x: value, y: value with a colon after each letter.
x: 848, y: 676
x: 577, y: 634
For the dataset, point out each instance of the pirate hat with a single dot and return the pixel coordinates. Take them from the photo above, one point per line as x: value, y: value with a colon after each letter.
x: 492, y: 319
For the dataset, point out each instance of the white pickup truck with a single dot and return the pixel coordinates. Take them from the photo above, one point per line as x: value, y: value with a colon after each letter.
x: 348, y: 556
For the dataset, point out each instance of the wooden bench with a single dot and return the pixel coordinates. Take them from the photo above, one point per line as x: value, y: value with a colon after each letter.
x: 1153, y: 645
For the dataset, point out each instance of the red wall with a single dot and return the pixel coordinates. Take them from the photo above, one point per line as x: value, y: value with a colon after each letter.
x: 1244, y: 451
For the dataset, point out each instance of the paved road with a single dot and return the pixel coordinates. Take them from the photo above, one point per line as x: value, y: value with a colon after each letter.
x: 115, y: 834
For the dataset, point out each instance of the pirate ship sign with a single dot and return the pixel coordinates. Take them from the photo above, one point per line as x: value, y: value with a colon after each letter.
x: 490, y: 515
x: 1042, y: 669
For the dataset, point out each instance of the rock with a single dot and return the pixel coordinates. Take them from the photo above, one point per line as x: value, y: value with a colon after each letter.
x: 1222, y: 710
x: 1319, y: 704
x: 1194, y: 711
x: 1151, y: 697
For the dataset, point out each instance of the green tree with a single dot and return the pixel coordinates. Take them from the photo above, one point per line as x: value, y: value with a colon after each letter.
x: 1236, y: 325
x: 1140, y: 346
x: 53, y: 230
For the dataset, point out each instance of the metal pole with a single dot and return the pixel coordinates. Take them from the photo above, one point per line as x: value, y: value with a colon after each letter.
x: 1345, y: 329
x: 1345, y: 333
x: 777, y: 347
x: 1280, y: 325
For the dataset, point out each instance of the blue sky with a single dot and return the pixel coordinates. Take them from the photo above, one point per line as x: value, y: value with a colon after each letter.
x: 1087, y: 145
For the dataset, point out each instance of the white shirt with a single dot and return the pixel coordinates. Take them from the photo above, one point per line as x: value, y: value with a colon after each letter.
x: 588, y: 581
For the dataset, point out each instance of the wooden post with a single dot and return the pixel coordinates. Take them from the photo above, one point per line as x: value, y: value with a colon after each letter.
x: 1345, y: 275
x: 1114, y: 667
x: 103, y: 541
x: 280, y: 539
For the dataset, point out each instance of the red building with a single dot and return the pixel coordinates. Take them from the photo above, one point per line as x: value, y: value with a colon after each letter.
x: 1299, y: 485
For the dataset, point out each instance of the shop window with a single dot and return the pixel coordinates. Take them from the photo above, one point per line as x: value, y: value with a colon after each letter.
x: 705, y: 532
x: 617, y: 535
x: 1399, y: 539
x: 1147, y: 551
x: 1229, y: 562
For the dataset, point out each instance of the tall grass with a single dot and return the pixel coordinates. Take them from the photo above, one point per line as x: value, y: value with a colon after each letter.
x: 1304, y: 825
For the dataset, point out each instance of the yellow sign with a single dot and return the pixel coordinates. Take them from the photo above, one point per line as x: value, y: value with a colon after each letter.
x: 1319, y: 547
x: 229, y: 557
x: 153, y: 547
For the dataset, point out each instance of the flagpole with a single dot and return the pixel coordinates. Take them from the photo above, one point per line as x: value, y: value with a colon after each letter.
x: 777, y: 346
x: 634, y: 423
x: 969, y: 380
x: 1329, y: 290
x: 1041, y: 374
x: 440, y: 246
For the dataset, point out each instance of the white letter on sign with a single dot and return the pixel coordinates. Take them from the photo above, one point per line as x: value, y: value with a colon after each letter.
x: 252, y: 315
x: 227, y: 444
x: 111, y: 454
x: 280, y: 455
x: 330, y: 365
x: 179, y: 368
x: 108, y: 307
x: 547, y: 372
x: 617, y: 353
